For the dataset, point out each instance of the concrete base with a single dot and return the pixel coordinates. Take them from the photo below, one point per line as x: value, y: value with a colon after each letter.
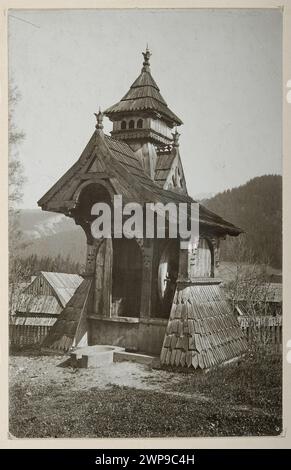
x: 134, y: 334
x: 93, y: 356
x: 120, y: 356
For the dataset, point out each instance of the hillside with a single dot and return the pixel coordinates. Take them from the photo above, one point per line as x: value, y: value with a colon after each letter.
x: 256, y: 207
x: 49, y: 235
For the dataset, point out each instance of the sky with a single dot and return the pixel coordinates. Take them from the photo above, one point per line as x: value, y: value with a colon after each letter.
x: 220, y: 71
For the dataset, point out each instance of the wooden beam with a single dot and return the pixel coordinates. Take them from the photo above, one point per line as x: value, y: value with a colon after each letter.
x: 147, y: 273
x: 103, y: 279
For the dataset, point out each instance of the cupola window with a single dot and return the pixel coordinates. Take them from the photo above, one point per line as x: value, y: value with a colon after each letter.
x: 123, y: 124
x: 131, y: 124
x: 139, y: 124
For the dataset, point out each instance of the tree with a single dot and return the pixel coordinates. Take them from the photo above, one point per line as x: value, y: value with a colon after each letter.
x: 15, y: 185
x: 249, y: 292
x: 15, y: 167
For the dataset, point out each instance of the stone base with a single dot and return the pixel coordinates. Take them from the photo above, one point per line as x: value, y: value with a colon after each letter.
x: 133, y: 357
x: 93, y: 356
x: 132, y: 333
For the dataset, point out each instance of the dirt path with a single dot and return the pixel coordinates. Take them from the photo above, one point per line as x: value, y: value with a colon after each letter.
x: 48, y: 370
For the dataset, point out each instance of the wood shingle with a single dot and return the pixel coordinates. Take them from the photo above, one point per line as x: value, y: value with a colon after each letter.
x: 208, y: 341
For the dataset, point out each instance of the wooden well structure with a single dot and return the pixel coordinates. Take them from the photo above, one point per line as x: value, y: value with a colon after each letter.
x: 144, y: 294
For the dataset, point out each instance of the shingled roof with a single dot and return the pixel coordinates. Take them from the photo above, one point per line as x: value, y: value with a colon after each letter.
x: 144, y: 95
x: 163, y: 167
x: 63, y: 284
x: 38, y: 304
x: 127, y: 178
x: 202, y: 331
x: 70, y: 326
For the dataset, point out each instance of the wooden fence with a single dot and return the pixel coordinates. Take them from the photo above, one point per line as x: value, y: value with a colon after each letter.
x: 264, y: 330
x: 27, y: 335
x: 29, y: 330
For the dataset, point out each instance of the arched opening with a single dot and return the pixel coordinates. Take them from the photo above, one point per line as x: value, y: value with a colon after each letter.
x: 204, y: 265
x: 131, y: 124
x: 126, y: 278
x: 168, y: 269
x: 139, y: 124
x: 123, y: 125
x: 90, y: 194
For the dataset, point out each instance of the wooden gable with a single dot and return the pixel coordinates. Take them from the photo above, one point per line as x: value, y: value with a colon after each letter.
x: 169, y: 173
x: 40, y: 286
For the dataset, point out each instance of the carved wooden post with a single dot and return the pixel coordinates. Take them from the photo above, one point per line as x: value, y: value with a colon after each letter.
x: 215, y: 241
x: 91, y: 259
x: 187, y: 260
x: 103, y: 279
x: 92, y: 245
x: 147, y: 273
x: 99, y: 269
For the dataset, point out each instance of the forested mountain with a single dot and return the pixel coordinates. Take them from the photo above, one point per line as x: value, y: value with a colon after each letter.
x: 256, y: 207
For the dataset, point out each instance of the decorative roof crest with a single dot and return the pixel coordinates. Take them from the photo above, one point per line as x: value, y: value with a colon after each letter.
x: 176, y: 137
x: 99, y: 119
x: 146, y: 63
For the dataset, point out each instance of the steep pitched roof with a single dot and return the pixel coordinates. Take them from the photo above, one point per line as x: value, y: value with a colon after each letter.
x: 127, y: 178
x: 68, y: 330
x: 169, y: 171
x: 163, y: 167
x: 144, y: 95
x: 63, y: 284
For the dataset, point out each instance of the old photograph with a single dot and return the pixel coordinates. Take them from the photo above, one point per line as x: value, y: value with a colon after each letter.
x: 145, y: 223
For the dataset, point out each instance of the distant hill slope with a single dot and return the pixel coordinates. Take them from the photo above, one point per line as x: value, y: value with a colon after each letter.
x: 256, y: 207
x: 50, y: 234
x: 35, y: 223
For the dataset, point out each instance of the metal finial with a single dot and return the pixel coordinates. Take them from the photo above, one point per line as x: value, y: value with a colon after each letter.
x: 176, y: 136
x: 146, y: 56
x: 99, y: 119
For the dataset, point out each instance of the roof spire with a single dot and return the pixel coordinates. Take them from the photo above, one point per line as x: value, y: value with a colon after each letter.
x: 99, y: 119
x: 146, y: 57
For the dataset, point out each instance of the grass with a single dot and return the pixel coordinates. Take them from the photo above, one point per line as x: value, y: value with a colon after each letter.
x: 238, y: 400
x: 255, y: 381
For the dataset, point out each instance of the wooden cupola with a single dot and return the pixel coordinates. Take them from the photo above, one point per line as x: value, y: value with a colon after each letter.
x: 143, y: 119
x: 143, y: 114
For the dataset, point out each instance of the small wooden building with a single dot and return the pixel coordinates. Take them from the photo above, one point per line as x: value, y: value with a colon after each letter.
x: 39, y: 306
x: 144, y: 294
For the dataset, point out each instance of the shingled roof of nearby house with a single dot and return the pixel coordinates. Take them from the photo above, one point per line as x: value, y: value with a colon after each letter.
x: 34, y: 304
x: 33, y: 320
x: 144, y: 95
x: 63, y: 284
x: 269, y: 292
